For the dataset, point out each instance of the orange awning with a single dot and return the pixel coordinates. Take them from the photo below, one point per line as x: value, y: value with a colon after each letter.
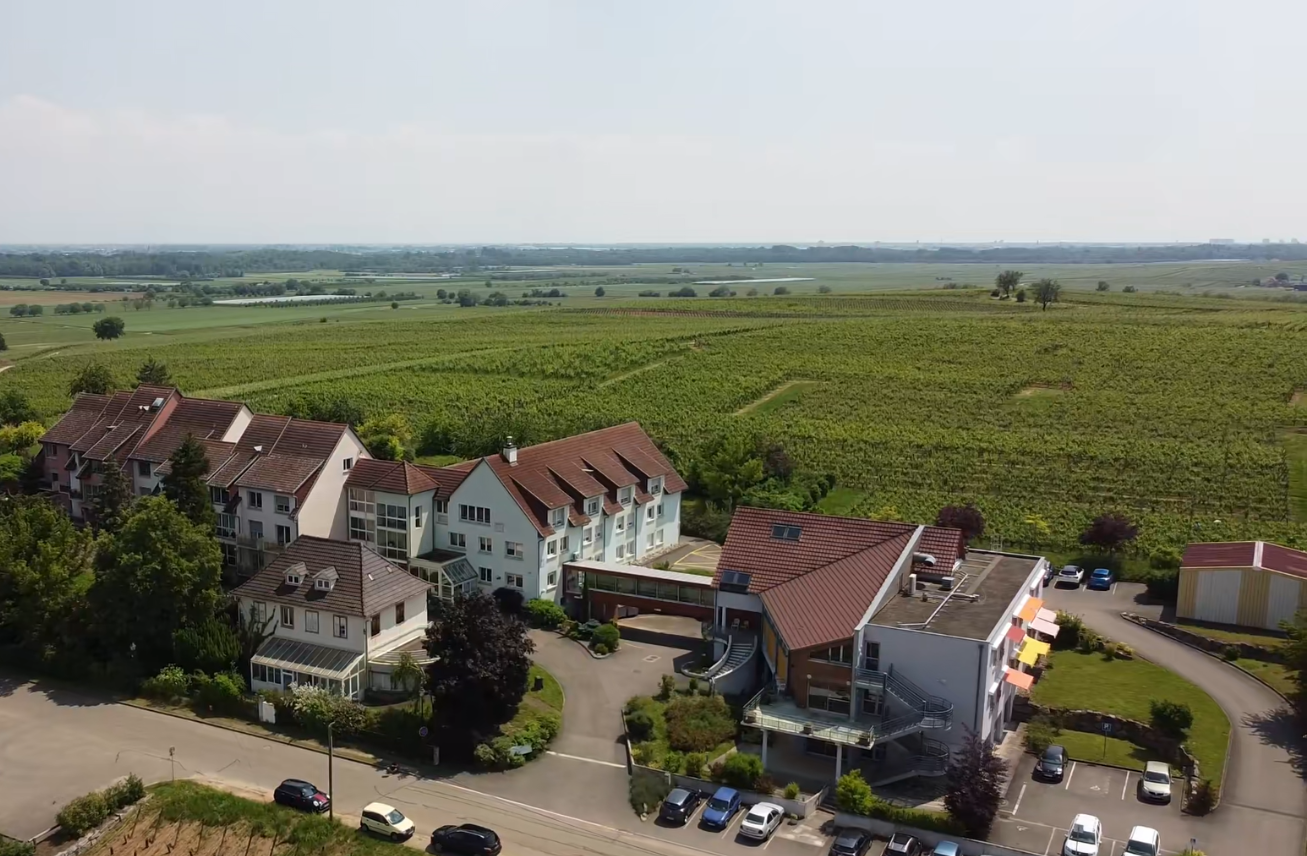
x: 1020, y: 680
x: 1030, y: 610
x: 1015, y: 635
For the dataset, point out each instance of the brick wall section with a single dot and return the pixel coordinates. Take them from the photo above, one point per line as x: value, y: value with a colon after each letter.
x: 603, y: 606
x: 830, y: 675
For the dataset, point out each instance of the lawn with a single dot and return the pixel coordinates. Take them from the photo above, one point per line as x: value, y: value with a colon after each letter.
x: 1097, y: 749
x: 839, y: 502
x: 1078, y: 681
x: 1248, y: 636
x: 1280, y: 678
x: 549, y: 699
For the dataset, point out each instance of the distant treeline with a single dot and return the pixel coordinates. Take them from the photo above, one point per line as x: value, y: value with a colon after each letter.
x: 228, y: 263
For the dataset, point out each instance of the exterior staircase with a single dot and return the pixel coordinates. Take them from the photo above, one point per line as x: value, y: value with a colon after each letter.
x: 929, y: 758
x: 924, y: 710
x: 740, y: 650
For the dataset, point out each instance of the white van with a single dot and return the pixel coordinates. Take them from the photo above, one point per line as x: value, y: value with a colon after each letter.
x: 1084, y: 837
x: 1143, y: 842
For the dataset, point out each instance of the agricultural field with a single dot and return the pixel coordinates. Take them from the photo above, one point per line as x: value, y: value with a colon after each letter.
x: 1176, y: 410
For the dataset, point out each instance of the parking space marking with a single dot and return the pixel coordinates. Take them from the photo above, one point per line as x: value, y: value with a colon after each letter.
x: 1016, y: 808
x: 1051, y: 836
x: 1126, y: 785
x: 1069, y: 774
x: 587, y: 760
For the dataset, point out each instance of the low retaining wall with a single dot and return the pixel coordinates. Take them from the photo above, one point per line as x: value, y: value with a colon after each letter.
x: 884, y: 828
x: 1132, y: 730
x: 1197, y: 640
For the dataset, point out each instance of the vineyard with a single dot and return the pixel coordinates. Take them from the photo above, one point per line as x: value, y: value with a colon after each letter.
x: 1172, y: 411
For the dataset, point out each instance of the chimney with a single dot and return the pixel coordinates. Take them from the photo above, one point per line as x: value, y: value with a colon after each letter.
x: 510, y: 452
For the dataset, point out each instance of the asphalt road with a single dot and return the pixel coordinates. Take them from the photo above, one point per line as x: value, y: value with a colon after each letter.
x: 1264, y: 799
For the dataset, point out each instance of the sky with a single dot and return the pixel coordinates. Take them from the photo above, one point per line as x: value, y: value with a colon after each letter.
x: 658, y: 122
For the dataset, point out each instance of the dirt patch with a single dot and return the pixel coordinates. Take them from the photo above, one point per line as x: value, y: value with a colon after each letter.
x: 1043, y: 389
x: 1297, y: 399
x: 778, y: 396
x: 6, y: 367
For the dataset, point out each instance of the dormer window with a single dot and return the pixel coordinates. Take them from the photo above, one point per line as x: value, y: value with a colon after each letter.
x: 293, y: 579
x: 592, y: 506
x: 624, y: 496
x: 560, y: 516
x: 322, y: 585
x: 655, y: 486
x: 325, y: 579
x: 781, y: 532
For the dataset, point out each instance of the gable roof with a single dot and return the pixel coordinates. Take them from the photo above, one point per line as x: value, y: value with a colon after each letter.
x: 277, y: 453
x: 203, y: 418
x: 391, y: 476
x: 1246, y: 554
x: 365, y: 582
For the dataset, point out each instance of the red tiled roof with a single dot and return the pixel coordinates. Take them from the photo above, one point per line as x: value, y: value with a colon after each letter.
x: 1227, y: 554
x: 823, y: 540
x: 278, y: 453
x: 79, y: 419
x: 390, y: 476
x: 203, y: 418
x: 1246, y: 554
x: 823, y: 606
x: 279, y: 473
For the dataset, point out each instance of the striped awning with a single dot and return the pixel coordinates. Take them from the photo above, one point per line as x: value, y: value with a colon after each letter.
x: 293, y: 655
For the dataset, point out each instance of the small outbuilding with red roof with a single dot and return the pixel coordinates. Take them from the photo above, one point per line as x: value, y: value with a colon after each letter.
x: 1242, y: 583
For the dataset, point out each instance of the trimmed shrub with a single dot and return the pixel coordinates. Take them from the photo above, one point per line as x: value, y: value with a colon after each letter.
x: 698, y: 723
x: 222, y: 693
x: 742, y: 770
x: 171, y: 684
x: 1171, y: 717
x: 852, y: 793
x: 1070, y: 627
x: 1233, y: 652
x: 792, y: 791
x: 639, y: 726
x: 648, y: 792
x: 1163, y: 584
x: 608, y: 636
x: 83, y: 814
x: 1041, y: 732
x: 10, y: 847
x: 600, y: 648
x: 673, y: 762
x: 313, y: 707
x: 545, y: 613
x: 127, y: 792
x: 1204, y: 798
x: 666, y: 686
x: 694, y: 763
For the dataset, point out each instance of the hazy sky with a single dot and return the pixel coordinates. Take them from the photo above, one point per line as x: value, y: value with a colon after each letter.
x: 660, y: 120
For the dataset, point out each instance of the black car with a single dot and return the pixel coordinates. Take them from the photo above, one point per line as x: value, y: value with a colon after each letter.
x: 1052, y: 764
x: 851, y: 842
x: 301, y: 795
x: 680, y: 805
x: 467, y: 838
x: 902, y: 844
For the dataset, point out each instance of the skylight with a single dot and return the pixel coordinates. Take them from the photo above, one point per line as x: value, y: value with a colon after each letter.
x: 735, y: 581
x: 782, y: 532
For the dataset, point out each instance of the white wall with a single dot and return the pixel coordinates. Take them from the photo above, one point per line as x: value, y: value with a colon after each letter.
x: 238, y: 425
x: 324, y: 509
x: 358, y: 631
x: 1218, y: 596
x: 507, y: 523
x: 944, y: 666
x: 267, y: 515
x: 1283, y: 599
x: 392, y: 634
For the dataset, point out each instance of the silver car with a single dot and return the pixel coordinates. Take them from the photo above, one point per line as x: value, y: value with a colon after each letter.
x: 762, y: 820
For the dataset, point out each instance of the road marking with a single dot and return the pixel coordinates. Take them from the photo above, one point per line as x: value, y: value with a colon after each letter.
x: 1125, y: 786
x: 1016, y: 808
x: 1069, y: 774
x: 1051, y: 836
x: 580, y: 758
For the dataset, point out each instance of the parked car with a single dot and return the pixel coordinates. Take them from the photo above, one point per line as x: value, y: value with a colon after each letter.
x: 1143, y: 842
x: 902, y: 844
x: 1049, y: 572
x: 302, y: 795
x: 722, y: 807
x: 1155, y: 784
x: 946, y: 848
x: 762, y: 820
x: 381, y: 819
x: 1101, y: 579
x: 1085, y: 835
x: 1051, y: 764
x: 851, y: 842
x: 1070, y: 575
x: 466, y: 839
x: 680, y: 805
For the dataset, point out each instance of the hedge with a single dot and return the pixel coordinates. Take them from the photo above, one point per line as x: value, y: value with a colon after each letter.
x: 86, y: 813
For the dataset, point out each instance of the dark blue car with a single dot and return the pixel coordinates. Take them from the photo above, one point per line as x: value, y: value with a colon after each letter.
x: 1101, y: 579
x: 721, y: 808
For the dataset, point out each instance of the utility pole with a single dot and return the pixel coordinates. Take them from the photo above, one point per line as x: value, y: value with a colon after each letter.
x: 331, y: 774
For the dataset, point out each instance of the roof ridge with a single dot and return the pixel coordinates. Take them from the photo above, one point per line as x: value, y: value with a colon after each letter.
x: 575, y: 436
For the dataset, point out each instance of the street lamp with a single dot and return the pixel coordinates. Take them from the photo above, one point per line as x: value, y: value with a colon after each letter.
x: 331, y: 770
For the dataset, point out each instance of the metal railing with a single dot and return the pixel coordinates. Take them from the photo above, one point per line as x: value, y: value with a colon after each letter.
x: 930, y: 711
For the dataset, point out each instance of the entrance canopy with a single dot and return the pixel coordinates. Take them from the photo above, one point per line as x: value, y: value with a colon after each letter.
x: 307, y: 658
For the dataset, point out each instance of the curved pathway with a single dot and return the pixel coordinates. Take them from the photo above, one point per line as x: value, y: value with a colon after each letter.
x: 1264, y: 798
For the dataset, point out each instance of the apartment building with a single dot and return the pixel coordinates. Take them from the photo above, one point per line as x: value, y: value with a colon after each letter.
x: 512, y: 519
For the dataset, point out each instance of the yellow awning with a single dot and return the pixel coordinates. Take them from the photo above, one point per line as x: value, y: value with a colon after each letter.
x: 1027, y: 656
x: 1032, y: 650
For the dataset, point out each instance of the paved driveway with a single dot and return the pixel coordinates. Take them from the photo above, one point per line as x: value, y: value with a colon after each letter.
x: 1264, y: 800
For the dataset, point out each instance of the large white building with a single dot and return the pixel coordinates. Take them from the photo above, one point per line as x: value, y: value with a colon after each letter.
x: 516, y: 517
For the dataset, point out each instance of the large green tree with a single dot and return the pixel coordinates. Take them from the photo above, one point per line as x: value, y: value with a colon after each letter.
x: 109, y: 328
x: 113, y: 501
x: 93, y: 377
x: 45, y: 572
x: 727, y: 470
x: 1046, y: 292
x: 154, y: 373
x: 15, y: 407
x: 184, y: 482
x: 483, y: 659
x: 160, y: 573
x: 1007, y: 281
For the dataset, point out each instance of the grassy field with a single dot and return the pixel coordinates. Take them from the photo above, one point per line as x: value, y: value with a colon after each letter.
x: 1174, y: 409
x: 1126, y: 687
x: 1223, y: 633
x: 1099, y: 749
x: 1277, y: 676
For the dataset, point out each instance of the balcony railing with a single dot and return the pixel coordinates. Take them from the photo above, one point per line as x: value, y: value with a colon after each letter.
x: 931, y: 711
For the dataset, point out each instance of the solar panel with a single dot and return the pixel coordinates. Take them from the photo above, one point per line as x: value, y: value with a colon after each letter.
x: 735, y: 581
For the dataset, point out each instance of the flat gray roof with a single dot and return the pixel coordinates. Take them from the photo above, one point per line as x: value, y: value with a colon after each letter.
x: 643, y: 572
x: 993, y: 578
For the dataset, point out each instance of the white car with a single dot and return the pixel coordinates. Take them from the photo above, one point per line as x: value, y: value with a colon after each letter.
x: 1083, y: 838
x: 1156, y: 782
x: 1143, y: 842
x: 381, y: 819
x: 1070, y: 575
x: 762, y: 820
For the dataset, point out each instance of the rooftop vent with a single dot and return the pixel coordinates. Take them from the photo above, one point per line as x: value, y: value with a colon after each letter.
x: 782, y: 532
x: 510, y: 452
x: 923, y: 559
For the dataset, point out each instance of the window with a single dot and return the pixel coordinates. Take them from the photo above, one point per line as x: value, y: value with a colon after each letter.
x: 228, y: 554
x: 255, y: 498
x: 391, y: 516
x: 630, y: 547
x: 310, y: 621
x: 552, y: 579
x: 399, y: 612
x: 323, y: 584
x: 340, y: 626
x: 362, y: 529
x: 474, y: 513
x: 283, y: 504
x: 218, y: 495
x: 656, y: 486
x: 143, y: 469
x: 256, y: 529
x: 486, y: 575
x: 260, y: 611
x: 362, y: 500
x: 551, y: 548
x: 228, y: 525
x: 457, y: 541
x: 563, y: 543
x: 417, y: 515
x: 621, y: 551
x: 829, y: 700
x: 513, y: 580
x: 660, y: 509
x: 661, y: 536
x: 871, y: 656
x: 283, y: 535
x: 374, y: 625
x: 513, y: 549
x: 288, y: 617
x: 346, y: 464
x: 649, y: 540
x: 621, y: 523
x: 393, y: 545
x: 294, y: 578
x: 872, y: 704
x: 588, y: 536
x: 560, y: 516
x: 650, y: 511
x: 624, y: 496
x: 838, y: 654
x: 782, y: 532
x: 487, y: 545
x: 592, y: 507
x: 442, y: 511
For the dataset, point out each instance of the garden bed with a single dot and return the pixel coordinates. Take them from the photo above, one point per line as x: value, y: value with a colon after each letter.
x: 679, y: 730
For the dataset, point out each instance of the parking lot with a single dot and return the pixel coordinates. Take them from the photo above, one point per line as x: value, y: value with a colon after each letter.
x: 788, y: 840
x: 1038, y: 813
